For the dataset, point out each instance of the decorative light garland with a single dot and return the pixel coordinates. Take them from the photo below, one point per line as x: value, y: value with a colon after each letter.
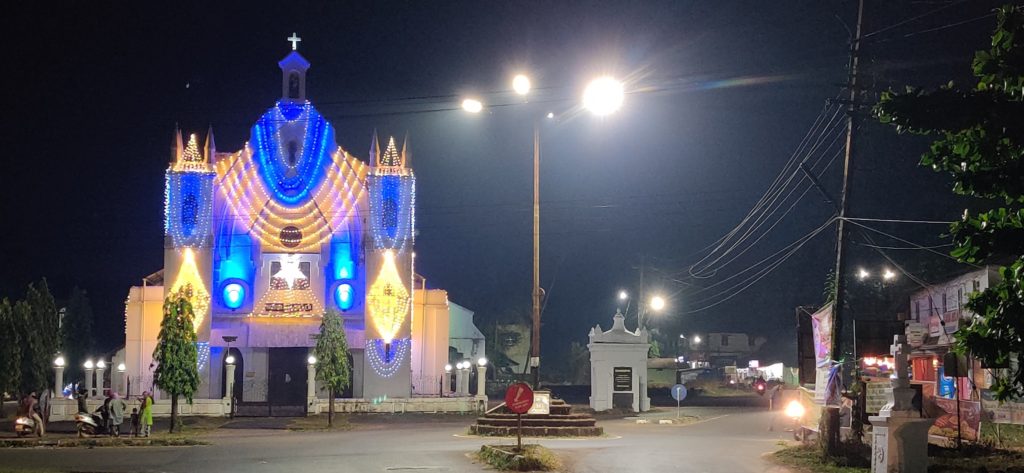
x: 203, y: 352
x: 388, y: 299
x: 292, y: 181
x: 191, y: 159
x: 392, y: 198
x: 289, y: 294
x: 188, y: 273
x: 384, y: 361
x: 188, y: 207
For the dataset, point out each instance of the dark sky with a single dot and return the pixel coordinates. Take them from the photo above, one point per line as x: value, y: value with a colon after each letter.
x: 720, y: 94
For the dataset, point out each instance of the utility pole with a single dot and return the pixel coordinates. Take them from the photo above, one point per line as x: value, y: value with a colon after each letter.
x: 838, y: 312
x: 640, y: 306
x: 537, y: 292
x: 844, y: 202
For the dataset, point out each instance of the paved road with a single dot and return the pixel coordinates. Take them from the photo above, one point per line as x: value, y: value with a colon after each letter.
x: 727, y: 440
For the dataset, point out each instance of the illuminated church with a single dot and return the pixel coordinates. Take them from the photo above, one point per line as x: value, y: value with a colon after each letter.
x: 273, y: 236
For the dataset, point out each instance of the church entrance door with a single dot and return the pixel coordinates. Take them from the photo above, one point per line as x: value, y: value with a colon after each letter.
x: 286, y: 381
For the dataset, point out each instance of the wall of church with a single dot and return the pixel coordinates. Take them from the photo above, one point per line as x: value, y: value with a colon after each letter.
x: 143, y: 313
x: 430, y: 339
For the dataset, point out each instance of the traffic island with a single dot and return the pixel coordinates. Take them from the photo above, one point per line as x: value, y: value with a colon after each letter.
x: 560, y: 422
x: 530, y: 458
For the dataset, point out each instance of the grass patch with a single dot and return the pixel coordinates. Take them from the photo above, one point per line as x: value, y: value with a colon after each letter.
x: 1010, y: 435
x: 974, y: 457
x: 531, y: 458
x: 319, y: 423
x: 807, y: 458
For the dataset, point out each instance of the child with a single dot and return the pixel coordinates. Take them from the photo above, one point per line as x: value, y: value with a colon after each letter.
x: 135, y: 423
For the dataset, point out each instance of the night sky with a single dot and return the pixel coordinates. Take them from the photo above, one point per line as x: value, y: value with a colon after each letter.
x: 719, y: 96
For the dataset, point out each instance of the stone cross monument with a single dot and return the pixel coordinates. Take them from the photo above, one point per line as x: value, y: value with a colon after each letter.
x: 899, y: 440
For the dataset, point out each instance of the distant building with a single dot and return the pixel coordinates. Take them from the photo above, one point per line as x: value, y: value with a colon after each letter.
x: 718, y: 349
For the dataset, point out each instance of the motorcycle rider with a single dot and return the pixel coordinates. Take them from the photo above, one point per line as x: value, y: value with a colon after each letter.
x: 28, y: 407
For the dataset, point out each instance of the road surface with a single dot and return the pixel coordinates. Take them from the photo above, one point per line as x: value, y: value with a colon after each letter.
x: 726, y: 440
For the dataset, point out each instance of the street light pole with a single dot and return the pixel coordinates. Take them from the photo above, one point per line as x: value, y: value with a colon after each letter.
x: 537, y: 294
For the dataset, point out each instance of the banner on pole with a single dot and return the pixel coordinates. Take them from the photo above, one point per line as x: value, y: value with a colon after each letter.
x: 821, y: 323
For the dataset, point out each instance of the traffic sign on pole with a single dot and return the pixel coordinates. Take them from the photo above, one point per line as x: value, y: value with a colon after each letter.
x: 519, y: 399
x: 678, y: 393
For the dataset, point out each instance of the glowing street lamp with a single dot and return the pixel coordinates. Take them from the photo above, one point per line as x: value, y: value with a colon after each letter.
x: 623, y: 295
x: 521, y: 84
x: 696, y: 339
x: 863, y: 274
x: 603, y: 96
x: 888, y: 275
x: 311, y: 360
x: 657, y: 303
x: 472, y: 105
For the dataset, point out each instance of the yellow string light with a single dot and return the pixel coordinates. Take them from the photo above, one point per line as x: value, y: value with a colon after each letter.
x: 188, y: 274
x: 388, y: 299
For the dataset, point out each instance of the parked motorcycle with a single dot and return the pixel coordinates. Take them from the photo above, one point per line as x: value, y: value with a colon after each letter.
x: 24, y: 425
x: 90, y: 424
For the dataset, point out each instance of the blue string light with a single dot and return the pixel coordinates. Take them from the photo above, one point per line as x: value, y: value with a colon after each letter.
x: 385, y: 360
x: 188, y: 205
x: 292, y: 169
x: 392, y: 197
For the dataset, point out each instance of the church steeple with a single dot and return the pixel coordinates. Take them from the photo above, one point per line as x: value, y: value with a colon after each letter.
x: 211, y: 147
x: 374, y: 149
x: 293, y: 73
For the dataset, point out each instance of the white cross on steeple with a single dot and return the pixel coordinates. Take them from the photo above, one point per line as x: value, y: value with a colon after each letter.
x: 295, y: 41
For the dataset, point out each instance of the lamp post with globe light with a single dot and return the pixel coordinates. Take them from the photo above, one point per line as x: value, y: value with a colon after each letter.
x: 229, y: 384
x: 58, y: 375
x: 101, y: 366
x: 446, y: 380
x: 602, y: 97
x: 89, y: 367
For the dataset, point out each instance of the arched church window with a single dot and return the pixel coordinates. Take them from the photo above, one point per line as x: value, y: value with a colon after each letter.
x: 293, y: 150
x: 293, y: 85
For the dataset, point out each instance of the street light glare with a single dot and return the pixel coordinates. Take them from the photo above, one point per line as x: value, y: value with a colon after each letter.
x: 696, y: 339
x: 657, y: 303
x: 863, y: 273
x: 472, y: 105
x: 888, y: 275
x: 623, y: 295
x: 603, y: 96
x: 521, y: 84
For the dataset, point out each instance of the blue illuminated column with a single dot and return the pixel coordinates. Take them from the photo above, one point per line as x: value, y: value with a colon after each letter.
x: 188, y: 235
x: 389, y: 273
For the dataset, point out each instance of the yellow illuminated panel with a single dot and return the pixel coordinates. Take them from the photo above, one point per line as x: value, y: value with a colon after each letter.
x: 188, y: 274
x: 388, y: 299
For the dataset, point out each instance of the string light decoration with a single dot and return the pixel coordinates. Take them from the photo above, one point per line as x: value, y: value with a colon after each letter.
x: 188, y: 206
x: 388, y: 300
x: 289, y: 294
x: 203, y: 352
x: 199, y: 296
x: 386, y: 357
x: 252, y: 206
x: 292, y: 141
x: 392, y: 197
x: 191, y: 160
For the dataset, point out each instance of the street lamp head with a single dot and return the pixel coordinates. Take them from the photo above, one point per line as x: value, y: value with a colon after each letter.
x: 59, y: 361
x: 623, y: 295
x: 696, y: 339
x: 603, y: 96
x: 121, y: 367
x: 472, y: 105
x: 101, y: 364
x: 311, y: 360
x: 551, y: 114
x: 88, y: 364
x: 521, y: 84
x: 862, y: 274
x: 888, y: 275
x: 230, y: 359
x: 657, y: 303
x: 448, y: 368
x: 482, y: 361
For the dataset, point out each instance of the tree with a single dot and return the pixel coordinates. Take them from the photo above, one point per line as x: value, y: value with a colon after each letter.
x: 10, y: 351
x: 981, y: 144
x: 177, y: 370
x: 76, y: 333
x: 35, y: 321
x: 332, y: 364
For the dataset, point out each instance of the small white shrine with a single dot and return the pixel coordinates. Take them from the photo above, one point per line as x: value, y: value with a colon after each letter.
x: 618, y: 367
x: 899, y: 438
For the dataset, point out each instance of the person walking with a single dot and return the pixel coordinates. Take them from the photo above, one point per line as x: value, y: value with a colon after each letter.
x: 146, y: 413
x: 117, y: 408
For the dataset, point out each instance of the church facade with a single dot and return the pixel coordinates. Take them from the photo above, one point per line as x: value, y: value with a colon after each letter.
x: 273, y: 237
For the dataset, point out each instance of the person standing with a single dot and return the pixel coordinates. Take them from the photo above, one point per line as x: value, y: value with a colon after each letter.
x: 146, y: 414
x: 117, y: 408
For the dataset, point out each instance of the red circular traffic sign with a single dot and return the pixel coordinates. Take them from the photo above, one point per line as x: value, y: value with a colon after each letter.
x: 519, y: 398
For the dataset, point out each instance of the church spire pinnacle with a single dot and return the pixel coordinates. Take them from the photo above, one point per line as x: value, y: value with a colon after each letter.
x: 211, y: 148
